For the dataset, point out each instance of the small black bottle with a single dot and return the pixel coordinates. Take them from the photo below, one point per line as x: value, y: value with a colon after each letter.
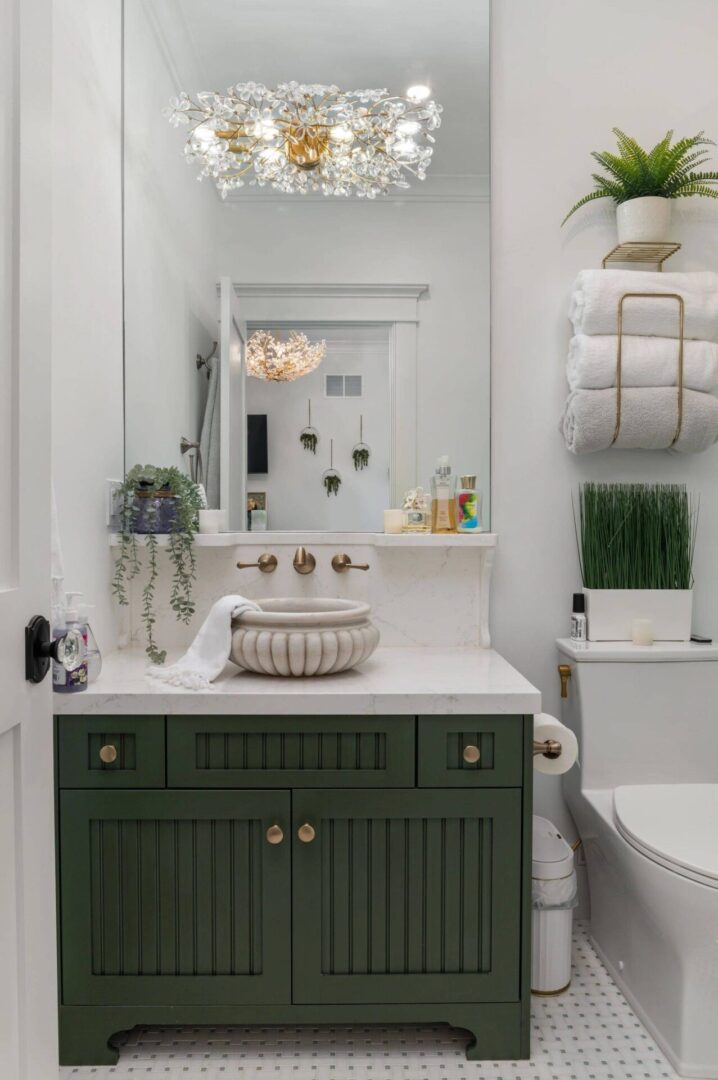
x: 579, y: 624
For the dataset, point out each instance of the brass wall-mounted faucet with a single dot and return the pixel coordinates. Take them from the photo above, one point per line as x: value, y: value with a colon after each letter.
x: 266, y: 563
x: 303, y: 561
x: 342, y: 563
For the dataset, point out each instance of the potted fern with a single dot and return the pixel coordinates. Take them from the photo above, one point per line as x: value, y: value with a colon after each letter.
x: 643, y: 183
x: 153, y: 501
x: 636, y: 545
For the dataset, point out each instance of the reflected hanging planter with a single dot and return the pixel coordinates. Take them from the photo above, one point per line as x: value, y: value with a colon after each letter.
x: 331, y: 478
x: 361, y: 452
x: 309, y: 436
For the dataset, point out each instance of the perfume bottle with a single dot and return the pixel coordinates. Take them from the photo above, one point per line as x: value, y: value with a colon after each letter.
x: 443, y: 495
x: 417, y: 517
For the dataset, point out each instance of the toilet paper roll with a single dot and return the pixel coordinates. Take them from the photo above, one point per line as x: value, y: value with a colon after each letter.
x: 548, y: 727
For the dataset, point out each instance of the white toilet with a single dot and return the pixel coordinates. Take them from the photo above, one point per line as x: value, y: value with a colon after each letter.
x: 645, y: 801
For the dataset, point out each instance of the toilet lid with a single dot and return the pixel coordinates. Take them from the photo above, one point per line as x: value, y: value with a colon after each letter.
x: 675, y: 825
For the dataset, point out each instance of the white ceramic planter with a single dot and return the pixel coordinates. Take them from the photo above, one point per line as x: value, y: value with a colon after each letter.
x: 611, y: 612
x: 304, y: 637
x: 644, y: 220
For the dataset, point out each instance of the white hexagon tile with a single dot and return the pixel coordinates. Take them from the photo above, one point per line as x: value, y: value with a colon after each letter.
x: 588, y: 1033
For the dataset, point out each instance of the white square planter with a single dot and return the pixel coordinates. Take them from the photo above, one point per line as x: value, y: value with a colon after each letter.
x: 611, y: 612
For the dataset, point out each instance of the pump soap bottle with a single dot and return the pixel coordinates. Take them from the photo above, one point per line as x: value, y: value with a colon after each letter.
x: 443, y: 496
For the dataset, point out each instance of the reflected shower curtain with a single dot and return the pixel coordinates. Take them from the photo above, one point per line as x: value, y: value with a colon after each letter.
x: 209, y: 438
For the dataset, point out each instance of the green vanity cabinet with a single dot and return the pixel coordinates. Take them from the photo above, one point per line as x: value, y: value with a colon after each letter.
x: 291, y: 870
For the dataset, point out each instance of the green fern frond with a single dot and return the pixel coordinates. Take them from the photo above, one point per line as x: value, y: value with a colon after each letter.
x: 667, y: 171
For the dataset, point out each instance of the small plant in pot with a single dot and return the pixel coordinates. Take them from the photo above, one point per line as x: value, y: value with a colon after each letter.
x: 154, y: 501
x: 642, y: 183
x: 635, y: 544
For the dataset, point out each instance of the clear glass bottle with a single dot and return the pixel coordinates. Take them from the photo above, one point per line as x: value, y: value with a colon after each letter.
x: 443, y: 498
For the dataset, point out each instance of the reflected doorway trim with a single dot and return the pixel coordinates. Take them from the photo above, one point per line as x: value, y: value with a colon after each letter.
x: 395, y: 304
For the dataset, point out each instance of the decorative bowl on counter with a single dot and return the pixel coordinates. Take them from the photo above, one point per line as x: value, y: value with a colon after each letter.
x: 304, y: 637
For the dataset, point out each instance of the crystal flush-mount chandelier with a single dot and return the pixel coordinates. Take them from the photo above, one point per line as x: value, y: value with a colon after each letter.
x: 304, y: 138
x: 268, y: 357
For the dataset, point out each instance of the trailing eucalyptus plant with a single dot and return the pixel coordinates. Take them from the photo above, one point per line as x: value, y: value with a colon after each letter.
x: 152, y: 483
x: 668, y: 171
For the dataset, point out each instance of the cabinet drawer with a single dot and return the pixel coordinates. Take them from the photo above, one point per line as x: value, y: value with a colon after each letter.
x: 470, y: 751
x: 260, y: 751
x: 111, y: 751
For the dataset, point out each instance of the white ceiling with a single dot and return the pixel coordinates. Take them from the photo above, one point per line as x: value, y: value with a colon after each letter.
x: 353, y: 43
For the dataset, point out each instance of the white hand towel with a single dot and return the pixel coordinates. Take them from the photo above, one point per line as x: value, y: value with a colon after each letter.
x: 648, y: 420
x: 209, y: 652
x: 594, y: 303
x: 645, y: 361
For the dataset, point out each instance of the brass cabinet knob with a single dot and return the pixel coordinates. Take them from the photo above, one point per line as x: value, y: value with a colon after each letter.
x: 108, y: 754
x: 471, y: 754
x: 266, y: 563
x: 274, y: 834
x: 306, y: 833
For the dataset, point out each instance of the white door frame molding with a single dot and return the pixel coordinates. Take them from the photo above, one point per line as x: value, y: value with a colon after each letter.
x: 395, y: 304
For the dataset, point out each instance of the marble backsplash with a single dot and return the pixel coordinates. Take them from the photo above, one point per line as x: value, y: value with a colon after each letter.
x: 428, y: 596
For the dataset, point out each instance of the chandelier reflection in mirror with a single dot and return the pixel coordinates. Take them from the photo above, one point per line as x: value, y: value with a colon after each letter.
x: 268, y: 357
x: 304, y: 138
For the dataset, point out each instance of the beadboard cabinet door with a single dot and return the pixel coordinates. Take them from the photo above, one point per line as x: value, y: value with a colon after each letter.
x: 175, y: 897
x: 407, y: 896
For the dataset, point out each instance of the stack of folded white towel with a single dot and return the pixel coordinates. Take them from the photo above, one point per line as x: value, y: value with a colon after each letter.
x: 649, y: 365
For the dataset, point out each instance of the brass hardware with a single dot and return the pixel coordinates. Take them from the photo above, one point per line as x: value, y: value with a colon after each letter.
x: 641, y: 251
x: 266, y: 563
x: 203, y: 361
x: 471, y: 754
x: 274, y: 834
x: 564, y: 674
x: 551, y: 749
x: 108, y: 754
x: 342, y: 563
x: 305, y: 145
x: 303, y: 562
x: 681, y: 323
x: 306, y: 833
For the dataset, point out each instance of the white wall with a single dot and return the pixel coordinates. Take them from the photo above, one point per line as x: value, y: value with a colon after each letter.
x: 563, y: 74
x: 171, y: 305
x: 87, y: 292
x: 296, y: 497
x: 442, y: 244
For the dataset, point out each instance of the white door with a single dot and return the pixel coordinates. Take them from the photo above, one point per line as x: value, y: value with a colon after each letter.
x: 28, y: 982
x: 233, y: 420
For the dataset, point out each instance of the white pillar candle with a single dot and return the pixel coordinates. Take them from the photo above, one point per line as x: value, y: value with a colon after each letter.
x: 393, y: 521
x: 213, y: 521
x: 642, y: 632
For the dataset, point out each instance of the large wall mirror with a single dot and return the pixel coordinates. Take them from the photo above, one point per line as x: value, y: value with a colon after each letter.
x: 306, y: 251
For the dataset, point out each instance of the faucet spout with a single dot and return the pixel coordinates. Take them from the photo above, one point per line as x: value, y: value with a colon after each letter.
x: 303, y: 562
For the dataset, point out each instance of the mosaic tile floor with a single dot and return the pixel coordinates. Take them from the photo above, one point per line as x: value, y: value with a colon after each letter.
x: 588, y: 1033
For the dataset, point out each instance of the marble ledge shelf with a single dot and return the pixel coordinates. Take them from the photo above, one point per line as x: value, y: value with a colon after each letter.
x: 334, y: 539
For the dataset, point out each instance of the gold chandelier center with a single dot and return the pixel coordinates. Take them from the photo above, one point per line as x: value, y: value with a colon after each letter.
x: 305, y: 146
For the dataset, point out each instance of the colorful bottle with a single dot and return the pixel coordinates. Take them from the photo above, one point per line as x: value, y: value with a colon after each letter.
x: 468, y: 506
x: 64, y: 681
x: 443, y: 495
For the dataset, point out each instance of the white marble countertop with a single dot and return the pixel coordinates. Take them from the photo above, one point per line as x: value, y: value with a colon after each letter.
x: 398, y: 681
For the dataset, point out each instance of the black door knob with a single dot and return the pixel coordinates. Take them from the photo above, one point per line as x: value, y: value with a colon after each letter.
x: 41, y: 648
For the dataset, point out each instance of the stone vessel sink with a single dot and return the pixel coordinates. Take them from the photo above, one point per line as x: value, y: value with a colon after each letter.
x: 304, y: 637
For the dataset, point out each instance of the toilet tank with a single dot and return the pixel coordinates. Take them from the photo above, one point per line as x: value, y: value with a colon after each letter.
x: 642, y: 714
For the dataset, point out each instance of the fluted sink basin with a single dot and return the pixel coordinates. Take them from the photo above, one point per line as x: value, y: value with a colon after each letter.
x: 304, y: 637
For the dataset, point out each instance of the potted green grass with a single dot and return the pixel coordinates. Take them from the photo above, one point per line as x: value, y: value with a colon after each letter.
x: 636, y: 545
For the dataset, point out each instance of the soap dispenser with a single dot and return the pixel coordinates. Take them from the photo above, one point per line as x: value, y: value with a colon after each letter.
x: 64, y: 681
x: 443, y: 495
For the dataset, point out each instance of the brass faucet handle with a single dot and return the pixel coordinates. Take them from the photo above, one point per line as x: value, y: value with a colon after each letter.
x: 303, y: 562
x: 266, y: 563
x: 342, y: 563
x: 564, y: 674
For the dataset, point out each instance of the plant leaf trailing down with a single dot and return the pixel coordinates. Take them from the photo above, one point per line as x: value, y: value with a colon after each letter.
x: 667, y: 171
x: 636, y: 536
x: 360, y: 456
x: 309, y: 440
x: 187, y: 504
x: 332, y: 483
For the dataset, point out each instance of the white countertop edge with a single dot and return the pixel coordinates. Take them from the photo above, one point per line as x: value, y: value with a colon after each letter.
x: 331, y: 539
x: 395, y: 682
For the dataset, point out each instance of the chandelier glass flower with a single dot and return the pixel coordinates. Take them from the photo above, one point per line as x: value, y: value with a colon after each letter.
x: 303, y: 138
x: 268, y: 357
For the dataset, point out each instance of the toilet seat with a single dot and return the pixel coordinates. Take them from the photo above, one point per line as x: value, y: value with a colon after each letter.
x: 675, y: 825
